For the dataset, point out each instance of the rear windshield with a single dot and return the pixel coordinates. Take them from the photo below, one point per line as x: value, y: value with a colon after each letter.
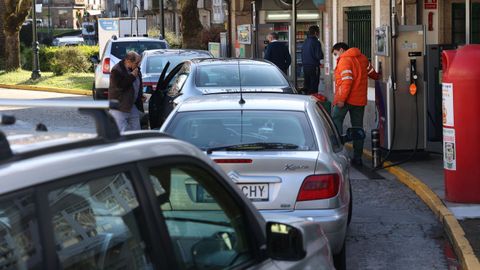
x: 156, y: 63
x: 227, y: 76
x: 120, y: 49
x: 209, y: 129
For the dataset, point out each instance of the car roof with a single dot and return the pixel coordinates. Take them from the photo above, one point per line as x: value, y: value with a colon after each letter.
x: 253, y: 101
x: 229, y: 61
x: 55, y: 162
x: 123, y: 39
x: 175, y: 52
x: 69, y: 37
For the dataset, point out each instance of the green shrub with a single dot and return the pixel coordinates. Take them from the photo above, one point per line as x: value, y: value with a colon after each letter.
x: 154, y: 32
x: 26, y: 57
x: 70, y: 60
x: 174, y: 42
x: 47, y: 54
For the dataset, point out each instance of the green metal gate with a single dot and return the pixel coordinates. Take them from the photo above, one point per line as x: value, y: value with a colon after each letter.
x: 359, y: 28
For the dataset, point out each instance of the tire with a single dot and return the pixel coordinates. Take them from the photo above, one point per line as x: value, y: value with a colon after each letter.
x: 340, y: 259
x: 350, y: 207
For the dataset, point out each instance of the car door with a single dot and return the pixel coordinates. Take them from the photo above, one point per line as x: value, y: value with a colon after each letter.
x: 100, y: 220
x: 208, y: 225
x: 159, y: 105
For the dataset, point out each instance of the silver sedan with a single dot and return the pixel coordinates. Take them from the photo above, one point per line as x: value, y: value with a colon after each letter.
x: 207, y: 76
x: 281, y: 150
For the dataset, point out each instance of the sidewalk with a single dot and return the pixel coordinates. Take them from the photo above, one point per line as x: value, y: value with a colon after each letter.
x: 424, y: 174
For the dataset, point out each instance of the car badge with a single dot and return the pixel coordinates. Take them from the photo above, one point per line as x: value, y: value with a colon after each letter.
x: 293, y: 167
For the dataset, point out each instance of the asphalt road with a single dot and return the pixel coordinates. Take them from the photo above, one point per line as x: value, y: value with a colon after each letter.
x: 391, y: 227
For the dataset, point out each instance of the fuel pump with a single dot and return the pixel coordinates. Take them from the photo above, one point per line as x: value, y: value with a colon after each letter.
x: 405, y: 102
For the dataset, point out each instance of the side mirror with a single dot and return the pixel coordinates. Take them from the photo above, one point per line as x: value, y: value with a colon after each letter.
x: 284, y: 242
x: 353, y: 133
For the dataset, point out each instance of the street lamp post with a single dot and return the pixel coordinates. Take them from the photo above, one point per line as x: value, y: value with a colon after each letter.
x: 49, y: 20
x: 36, y: 67
x: 162, y: 19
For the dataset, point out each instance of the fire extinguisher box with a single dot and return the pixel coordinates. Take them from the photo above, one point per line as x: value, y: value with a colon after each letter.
x: 461, y: 124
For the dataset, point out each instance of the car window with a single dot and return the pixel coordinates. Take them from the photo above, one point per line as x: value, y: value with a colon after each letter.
x: 251, y: 76
x: 331, y: 129
x: 96, y: 225
x: 207, y: 228
x: 156, y: 63
x: 207, y: 129
x: 178, y: 82
x: 19, y: 235
x: 119, y: 49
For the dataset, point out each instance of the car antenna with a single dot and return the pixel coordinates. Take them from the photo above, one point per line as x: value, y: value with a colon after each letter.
x: 241, y: 101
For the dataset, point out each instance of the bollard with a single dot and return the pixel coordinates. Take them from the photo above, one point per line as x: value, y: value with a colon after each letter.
x: 376, y: 157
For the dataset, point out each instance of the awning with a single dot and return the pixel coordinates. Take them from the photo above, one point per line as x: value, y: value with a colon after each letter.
x: 94, y: 12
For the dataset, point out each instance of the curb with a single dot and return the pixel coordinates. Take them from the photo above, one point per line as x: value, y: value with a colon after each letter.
x: 455, y: 232
x: 47, y: 89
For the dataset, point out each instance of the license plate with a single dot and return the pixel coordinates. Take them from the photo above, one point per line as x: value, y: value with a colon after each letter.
x: 255, y: 192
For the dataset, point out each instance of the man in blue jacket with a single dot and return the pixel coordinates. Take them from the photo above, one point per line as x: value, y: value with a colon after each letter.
x: 277, y: 53
x: 311, y: 56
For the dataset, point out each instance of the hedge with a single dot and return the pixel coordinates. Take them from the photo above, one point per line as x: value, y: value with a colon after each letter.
x: 48, y: 54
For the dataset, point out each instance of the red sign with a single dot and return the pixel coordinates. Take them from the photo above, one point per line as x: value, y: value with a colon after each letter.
x: 430, y: 4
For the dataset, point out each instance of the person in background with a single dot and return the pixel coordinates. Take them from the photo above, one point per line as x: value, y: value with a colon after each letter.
x: 312, y: 56
x: 351, y: 90
x: 277, y: 53
x: 126, y: 88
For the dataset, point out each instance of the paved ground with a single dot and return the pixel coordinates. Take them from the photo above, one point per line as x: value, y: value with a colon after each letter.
x: 56, y: 119
x: 392, y: 228
x: 472, y: 229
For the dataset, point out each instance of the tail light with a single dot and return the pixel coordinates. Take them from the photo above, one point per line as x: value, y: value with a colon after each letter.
x: 106, y: 66
x: 318, y: 187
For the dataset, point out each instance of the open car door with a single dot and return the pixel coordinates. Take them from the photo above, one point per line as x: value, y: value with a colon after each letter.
x: 159, y: 105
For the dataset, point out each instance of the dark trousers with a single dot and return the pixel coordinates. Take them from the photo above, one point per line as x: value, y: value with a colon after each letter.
x: 356, y: 118
x: 312, y: 79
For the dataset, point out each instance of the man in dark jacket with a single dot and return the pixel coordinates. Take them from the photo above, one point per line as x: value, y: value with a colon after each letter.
x: 126, y: 88
x: 311, y: 56
x: 277, y: 53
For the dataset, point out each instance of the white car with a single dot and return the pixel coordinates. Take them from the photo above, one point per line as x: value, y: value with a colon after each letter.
x: 139, y: 200
x: 114, y: 52
x: 281, y: 150
x: 68, y: 41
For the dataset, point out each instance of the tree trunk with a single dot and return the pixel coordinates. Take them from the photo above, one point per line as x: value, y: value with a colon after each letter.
x: 16, y: 11
x: 2, y: 35
x: 12, y: 49
x: 191, y: 26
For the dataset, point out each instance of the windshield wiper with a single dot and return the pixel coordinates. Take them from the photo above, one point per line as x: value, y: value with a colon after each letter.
x: 254, y: 147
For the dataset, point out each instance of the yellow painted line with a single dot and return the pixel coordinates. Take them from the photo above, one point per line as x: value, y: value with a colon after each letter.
x: 47, y: 89
x: 454, y: 230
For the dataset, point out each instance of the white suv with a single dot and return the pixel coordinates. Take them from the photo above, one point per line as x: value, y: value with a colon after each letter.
x: 114, y: 52
x: 139, y: 200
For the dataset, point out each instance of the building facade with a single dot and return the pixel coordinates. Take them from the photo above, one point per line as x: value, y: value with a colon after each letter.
x: 63, y: 13
x: 422, y: 29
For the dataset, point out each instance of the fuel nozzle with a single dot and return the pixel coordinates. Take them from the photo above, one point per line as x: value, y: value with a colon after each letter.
x: 413, y: 77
